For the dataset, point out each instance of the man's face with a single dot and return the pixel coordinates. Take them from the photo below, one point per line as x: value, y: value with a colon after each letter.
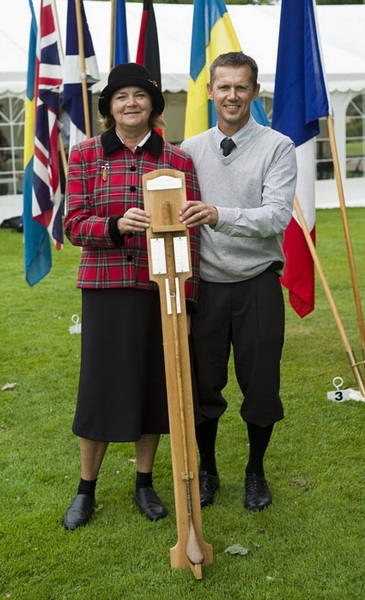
x: 232, y: 92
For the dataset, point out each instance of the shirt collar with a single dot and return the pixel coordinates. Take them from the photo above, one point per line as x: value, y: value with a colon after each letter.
x: 240, y: 137
x: 141, y: 143
x: 152, y: 143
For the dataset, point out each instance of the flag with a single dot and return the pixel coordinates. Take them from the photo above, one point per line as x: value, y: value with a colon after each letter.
x: 121, y: 53
x: 74, y: 72
x: 212, y: 34
x: 37, y: 247
x: 300, y: 99
x: 148, y: 53
x: 47, y: 206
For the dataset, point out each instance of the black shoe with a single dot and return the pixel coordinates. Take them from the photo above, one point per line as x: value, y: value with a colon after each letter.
x: 208, y: 485
x: 257, y: 492
x: 79, y: 512
x: 149, y: 503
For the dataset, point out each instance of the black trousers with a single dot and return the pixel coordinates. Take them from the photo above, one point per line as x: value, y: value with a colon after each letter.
x: 247, y: 316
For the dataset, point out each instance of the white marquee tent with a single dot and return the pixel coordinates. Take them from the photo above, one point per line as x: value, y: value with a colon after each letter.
x: 341, y: 29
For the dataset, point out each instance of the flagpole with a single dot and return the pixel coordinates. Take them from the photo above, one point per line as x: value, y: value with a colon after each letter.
x: 112, y: 34
x: 60, y: 142
x: 350, y: 354
x: 80, y: 38
x: 57, y: 24
x: 341, y: 197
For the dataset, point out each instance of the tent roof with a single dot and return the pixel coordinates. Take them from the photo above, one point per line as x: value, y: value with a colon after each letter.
x: 341, y: 28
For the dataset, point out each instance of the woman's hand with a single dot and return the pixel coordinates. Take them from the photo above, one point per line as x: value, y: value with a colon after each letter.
x: 134, y: 220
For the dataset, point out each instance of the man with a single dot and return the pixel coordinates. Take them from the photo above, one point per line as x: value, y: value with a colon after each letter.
x: 247, y: 195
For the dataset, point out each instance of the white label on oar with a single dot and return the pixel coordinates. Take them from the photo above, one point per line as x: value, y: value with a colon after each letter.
x: 172, y: 294
x: 168, y: 297
x: 164, y: 182
x: 181, y: 254
x: 178, y: 301
x: 158, y: 257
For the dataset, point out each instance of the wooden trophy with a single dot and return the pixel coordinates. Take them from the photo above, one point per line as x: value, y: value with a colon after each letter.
x: 170, y: 266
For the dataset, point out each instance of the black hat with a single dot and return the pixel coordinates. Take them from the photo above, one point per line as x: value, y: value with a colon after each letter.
x: 130, y: 74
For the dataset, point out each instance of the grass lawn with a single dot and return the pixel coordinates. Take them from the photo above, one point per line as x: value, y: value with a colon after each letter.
x: 309, y: 545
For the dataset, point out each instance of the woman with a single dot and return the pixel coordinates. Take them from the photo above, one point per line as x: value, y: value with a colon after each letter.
x: 122, y: 392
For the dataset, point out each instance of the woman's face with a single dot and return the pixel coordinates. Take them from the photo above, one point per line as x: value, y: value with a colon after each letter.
x: 131, y: 107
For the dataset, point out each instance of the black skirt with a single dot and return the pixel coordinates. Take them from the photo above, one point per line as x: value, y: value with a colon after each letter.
x: 122, y: 387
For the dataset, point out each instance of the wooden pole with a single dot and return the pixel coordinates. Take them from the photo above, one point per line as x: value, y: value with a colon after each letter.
x: 112, y: 34
x: 80, y: 37
x: 350, y: 354
x: 193, y: 550
x: 350, y: 254
x: 60, y: 143
x: 170, y: 266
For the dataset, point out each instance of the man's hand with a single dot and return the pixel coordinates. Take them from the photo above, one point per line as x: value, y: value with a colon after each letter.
x: 194, y: 214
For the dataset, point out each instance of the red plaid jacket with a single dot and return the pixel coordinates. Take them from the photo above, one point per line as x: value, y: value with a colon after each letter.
x: 104, y: 181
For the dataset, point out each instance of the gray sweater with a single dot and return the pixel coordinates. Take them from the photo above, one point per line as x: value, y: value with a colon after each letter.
x: 253, y: 190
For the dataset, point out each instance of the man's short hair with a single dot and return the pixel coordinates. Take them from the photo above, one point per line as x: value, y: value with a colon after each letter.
x: 235, y: 59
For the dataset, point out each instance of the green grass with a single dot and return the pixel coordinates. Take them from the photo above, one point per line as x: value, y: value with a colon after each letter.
x: 309, y: 545
x: 354, y: 148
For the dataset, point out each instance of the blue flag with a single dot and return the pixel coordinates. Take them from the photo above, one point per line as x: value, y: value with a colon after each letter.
x: 121, y: 53
x: 301, y: 96
x: 37, y: 246
x: 73, y: 102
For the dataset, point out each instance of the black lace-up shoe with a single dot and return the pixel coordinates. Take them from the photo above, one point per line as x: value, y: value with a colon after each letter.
x: 150, y: 504
x: 208, y: 485
x: 257, y: 492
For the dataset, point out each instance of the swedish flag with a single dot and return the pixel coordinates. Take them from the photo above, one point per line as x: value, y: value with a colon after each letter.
x: 213, y: 34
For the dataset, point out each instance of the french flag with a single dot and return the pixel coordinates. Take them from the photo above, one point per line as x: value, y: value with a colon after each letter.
x: 300, y: 99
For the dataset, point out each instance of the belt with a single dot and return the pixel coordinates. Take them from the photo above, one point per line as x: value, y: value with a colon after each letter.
x: 277, y: 265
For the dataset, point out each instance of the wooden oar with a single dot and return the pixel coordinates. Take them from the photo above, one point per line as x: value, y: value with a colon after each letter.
x: 193, y: 550
x: 170, y: 267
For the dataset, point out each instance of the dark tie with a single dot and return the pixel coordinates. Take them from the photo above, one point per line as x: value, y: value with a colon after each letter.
x: 227, y: 146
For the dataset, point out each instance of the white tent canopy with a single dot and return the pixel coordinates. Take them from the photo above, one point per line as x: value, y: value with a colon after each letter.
x: 341, y: 28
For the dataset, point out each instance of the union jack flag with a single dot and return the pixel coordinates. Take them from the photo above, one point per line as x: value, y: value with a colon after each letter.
x: 46, y: 205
